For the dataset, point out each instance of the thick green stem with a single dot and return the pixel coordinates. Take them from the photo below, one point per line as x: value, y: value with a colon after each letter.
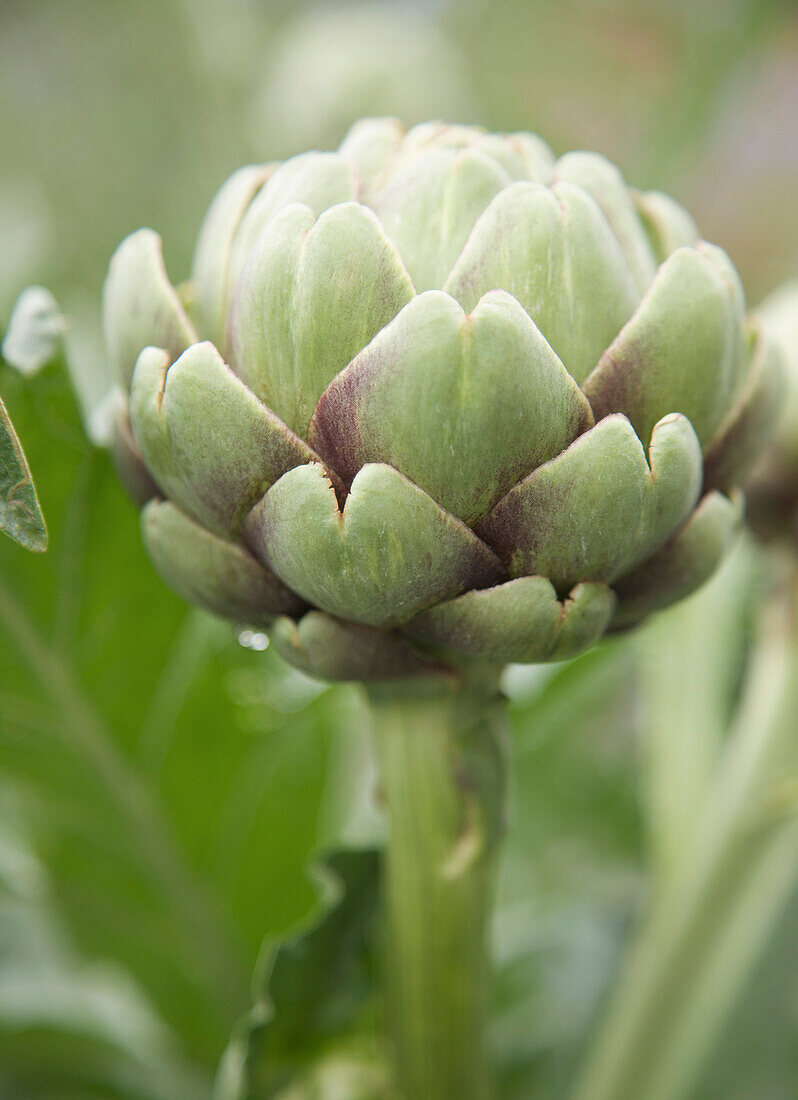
x: 442, y: 775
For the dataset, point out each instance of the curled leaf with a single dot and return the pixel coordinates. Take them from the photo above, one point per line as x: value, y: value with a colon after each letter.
x: 315, y: 986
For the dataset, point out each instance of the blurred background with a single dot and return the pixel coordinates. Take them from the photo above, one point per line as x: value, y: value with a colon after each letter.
x: 164, y: 780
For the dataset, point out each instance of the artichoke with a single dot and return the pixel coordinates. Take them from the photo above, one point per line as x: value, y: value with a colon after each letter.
x: 436, y: 397
x: 772, y: 489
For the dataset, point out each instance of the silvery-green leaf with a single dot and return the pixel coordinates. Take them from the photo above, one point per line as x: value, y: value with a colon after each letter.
x: 210, y: 444
x: 391, y: 552
x: 313, y: 294
x: 20, y: 514
x: 464, y: 406
x: 205, y: 569
x: 141, y: 308
x: 554, y: 252
x: 680, y: 352
x: 600, y: 506
x: 429, y: 208
x: 601, y: 179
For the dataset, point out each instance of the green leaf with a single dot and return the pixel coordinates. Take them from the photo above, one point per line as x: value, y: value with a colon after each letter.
x: 316, y: 987
x: 20, y: 514
x: 69, y: 1028
x: 157, y: 759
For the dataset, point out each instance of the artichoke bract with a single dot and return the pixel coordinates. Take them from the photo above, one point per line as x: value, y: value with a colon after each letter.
x: 437, y: 396
x: 772, y: 489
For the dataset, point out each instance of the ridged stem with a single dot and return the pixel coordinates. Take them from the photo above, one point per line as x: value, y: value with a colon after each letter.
x: 442, y: 776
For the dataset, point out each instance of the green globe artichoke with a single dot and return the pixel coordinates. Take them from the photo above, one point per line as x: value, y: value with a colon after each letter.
x: 436, y: 396
x: 772, y: 489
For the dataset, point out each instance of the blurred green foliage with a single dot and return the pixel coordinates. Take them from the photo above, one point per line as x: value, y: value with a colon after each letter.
x: 162, y: 787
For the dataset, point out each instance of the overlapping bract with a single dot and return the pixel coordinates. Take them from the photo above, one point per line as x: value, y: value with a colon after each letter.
x: 772, y: 489
x: 437, y: 396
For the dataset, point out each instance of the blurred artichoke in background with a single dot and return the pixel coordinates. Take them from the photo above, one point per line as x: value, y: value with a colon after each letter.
x: 333, y: 62
x: 772, y: 492
x: 479, y: 403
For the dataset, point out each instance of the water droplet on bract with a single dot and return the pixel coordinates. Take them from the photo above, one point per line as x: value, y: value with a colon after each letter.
x: 253, y: 639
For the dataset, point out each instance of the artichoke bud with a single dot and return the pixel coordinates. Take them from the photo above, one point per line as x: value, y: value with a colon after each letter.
x: 437, y: 397
x: 772, y: 489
